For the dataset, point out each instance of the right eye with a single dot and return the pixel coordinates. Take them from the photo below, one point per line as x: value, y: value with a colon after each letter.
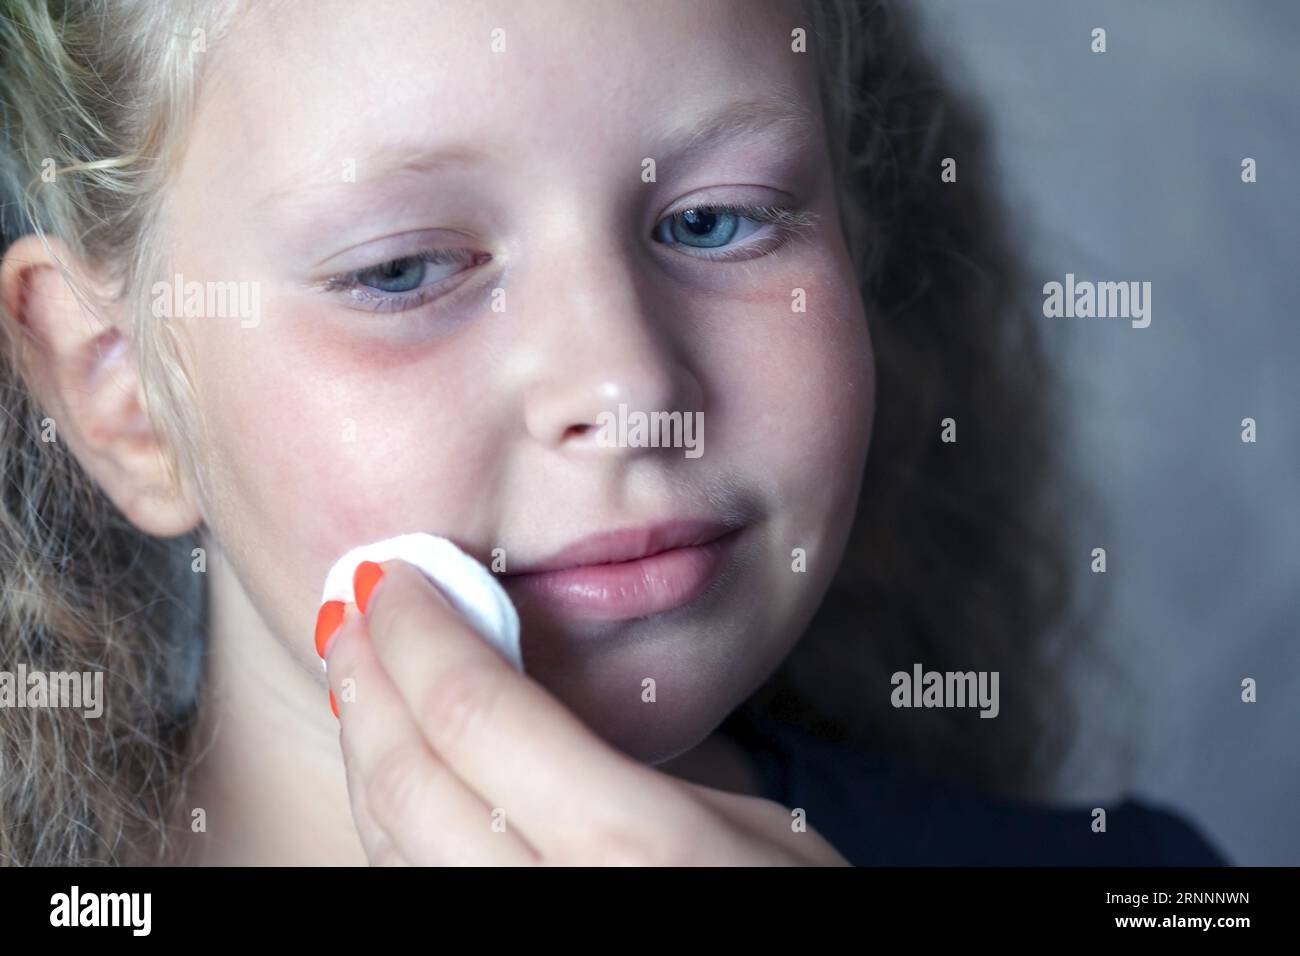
x: 407, y: 282
x: 397, y: 275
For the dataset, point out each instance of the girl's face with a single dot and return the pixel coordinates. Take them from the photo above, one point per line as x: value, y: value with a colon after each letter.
x: 464, y: 228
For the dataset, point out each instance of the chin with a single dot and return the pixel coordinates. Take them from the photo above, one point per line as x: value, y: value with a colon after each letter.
x: 693, y: 692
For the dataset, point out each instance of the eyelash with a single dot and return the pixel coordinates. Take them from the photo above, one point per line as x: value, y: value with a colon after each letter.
x: 789, y: 223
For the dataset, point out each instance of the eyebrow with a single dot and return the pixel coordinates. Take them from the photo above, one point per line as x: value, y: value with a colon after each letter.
x: 735, y: 120
x: 388, y: 161
x: 743, y: 118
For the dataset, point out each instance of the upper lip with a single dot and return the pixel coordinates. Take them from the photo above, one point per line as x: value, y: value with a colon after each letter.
x: 628, y: 544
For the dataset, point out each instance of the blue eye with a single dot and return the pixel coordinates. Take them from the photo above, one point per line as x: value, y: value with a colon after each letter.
x: 399, y: 275
x: 707, y: 227
x: 406, y: 282
x: 715, y: 231
x: 703, y: 227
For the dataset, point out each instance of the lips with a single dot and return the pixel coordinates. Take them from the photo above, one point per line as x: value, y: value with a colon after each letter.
x: 627, y: 573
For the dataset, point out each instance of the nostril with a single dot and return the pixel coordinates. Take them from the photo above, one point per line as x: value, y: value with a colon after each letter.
x: 576, y: 431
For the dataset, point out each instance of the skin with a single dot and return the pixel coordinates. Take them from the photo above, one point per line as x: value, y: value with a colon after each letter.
x: 327, y: 425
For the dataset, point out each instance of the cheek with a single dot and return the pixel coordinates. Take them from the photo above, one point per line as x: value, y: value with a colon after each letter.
x: 319, y: 448
x: 795, y: 414
x: 795, y: 390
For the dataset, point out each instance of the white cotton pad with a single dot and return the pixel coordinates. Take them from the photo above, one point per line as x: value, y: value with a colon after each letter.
x: 468, y: 585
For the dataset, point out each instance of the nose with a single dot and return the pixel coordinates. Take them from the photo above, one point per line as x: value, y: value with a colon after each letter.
x: 601, y: 341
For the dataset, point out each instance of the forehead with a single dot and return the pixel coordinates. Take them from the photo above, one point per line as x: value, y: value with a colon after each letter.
x: 290, y: 88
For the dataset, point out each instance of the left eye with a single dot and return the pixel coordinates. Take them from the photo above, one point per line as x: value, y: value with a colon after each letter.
x: 706, y: 227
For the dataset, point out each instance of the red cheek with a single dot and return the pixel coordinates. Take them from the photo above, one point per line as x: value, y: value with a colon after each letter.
x: 391, y: 467
x: 331, y: 441
x: 303, y: 458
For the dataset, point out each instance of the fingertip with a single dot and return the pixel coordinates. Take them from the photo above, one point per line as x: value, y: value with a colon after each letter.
x: 328, y: 619
x: 364, y: 579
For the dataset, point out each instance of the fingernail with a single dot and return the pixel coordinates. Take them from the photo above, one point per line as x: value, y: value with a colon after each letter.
x: 334, y: 704
x: 328, y: 619
x: 364, y: 579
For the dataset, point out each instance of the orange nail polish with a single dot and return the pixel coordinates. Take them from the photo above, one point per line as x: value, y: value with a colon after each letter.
x: 334, y: 704
x: 364, y: 579
x: 328, y: 619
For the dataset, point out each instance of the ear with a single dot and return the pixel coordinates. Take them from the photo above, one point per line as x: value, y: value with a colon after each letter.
x: 84, y: 375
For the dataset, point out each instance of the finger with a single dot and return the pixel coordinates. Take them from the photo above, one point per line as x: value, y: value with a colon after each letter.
x: 342, y: 684
x: 768, y: 820
x: 403, y: 794
x: 379, y: 848
x: 500, y: 731
x: 388, y: 856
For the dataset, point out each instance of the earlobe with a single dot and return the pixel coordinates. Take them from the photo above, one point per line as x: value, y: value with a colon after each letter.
x: 78, y: 361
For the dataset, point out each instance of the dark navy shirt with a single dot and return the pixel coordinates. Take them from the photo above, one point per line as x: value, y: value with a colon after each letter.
x: 878, y: 812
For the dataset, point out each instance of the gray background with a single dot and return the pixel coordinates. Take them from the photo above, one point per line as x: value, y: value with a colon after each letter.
x: 1125, y: 165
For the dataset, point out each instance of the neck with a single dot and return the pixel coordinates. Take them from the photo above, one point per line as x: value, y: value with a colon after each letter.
x: 718, y: 762
x: 269, y: 771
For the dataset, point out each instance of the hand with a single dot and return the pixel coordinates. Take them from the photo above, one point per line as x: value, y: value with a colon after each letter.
x: 453, y: 757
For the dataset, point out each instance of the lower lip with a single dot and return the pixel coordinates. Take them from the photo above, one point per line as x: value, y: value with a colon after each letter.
x: 629, y: 589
